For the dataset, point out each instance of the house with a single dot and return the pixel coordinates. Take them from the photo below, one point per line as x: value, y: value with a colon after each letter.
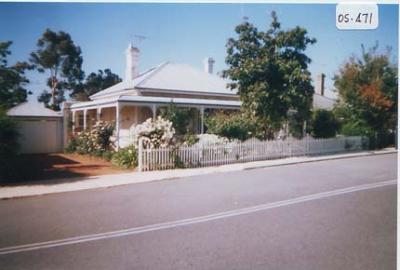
x: 320, y: 101
x: 41, y: 130
x: 140, y: 95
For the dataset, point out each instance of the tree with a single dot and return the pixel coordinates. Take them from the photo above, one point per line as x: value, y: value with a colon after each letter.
x: 324, y: 124
x: 12, y: 79
x: 270, y: 72
x: 367, y: 88
x: 94, y: 83
x: 9, y: 145
x: 57, y: 55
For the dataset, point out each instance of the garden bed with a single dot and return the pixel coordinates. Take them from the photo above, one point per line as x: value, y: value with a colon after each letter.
x: 35, y: 167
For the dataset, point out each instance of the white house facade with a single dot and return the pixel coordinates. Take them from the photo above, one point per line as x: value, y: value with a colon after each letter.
x: 139, y: 95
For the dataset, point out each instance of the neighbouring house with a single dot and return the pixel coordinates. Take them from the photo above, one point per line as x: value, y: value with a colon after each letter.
x: 320, y: 101
x: 41, y: 130
x: 140, y: 95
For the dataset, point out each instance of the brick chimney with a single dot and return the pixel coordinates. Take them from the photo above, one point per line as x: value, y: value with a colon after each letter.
x: 132, y: 63
x: 209, y: 65
x: 320, y: 84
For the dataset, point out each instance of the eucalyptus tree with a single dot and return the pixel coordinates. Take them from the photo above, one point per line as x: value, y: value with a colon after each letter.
x: 58, y: 57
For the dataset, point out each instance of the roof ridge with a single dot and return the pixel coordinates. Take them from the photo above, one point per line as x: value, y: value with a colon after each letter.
x: 156, y: 69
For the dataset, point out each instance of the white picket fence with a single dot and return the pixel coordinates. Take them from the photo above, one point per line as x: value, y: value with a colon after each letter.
x: 234, y: 152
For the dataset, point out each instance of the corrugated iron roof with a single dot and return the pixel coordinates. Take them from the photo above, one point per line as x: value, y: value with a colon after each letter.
x: 33, y: 109
x: 172, y: 77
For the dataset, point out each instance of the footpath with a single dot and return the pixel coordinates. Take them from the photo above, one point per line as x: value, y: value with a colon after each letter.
x: 111, y: 180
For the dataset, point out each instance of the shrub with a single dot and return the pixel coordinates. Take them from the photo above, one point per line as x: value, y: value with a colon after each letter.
x: 125, y: 157
x: 8, y: 145
x: 8, y: 135
x: 71, y: 146
x: 205, y: 139
x: 230, y: 125
x: 324, y: 124
x: 154, y: 133
x: 180, y: 118
x: 356, y: 128
x: 190, y: 139
x: 107, y: 155
x: 97, y: 140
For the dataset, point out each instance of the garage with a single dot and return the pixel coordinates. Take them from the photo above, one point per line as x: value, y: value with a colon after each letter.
x: 41, y: 129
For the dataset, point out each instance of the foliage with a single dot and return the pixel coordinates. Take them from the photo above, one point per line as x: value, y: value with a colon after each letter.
x: 93, y: 141
x: 8, y: 135
x: 296, y: 125
x: 205, y: 139
x: 94, y: 83
x: 231, y: 125
x: 270, y: 72
x: 107, y: 155
x: 180, y: 117
x: 72, y: 145
x: 324, y: 124
x: 358, y: 128
x: 190, y: 139
x: 57, y: 54
x: 125, y: 157
x: 154, y: 133
x: 8, y: 144
x: 367, y: 88
x: 12, y: 79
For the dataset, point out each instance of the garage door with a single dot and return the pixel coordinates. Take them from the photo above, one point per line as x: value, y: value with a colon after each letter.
x: 41, y: 135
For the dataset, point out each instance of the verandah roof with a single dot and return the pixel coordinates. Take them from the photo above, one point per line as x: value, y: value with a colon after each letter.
x: 148, y: 101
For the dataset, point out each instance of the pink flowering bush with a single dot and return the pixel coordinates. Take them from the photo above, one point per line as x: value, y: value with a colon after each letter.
x: 154, y: 133
x: 93, y: 141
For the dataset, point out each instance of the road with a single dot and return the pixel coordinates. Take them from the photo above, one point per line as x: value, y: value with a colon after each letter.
x: 334, y: 214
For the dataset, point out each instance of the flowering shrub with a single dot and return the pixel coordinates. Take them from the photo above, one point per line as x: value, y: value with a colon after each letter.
x: 207, y: 139
x: 94, y: 141
x: 125, y: 157
x: 154, y: 133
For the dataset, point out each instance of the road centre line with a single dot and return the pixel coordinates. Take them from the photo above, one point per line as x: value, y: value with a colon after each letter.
x: 189, y: 221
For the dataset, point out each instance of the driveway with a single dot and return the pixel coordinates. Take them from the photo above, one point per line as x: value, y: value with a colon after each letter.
x: 333, y: 214
x: 31, y: 168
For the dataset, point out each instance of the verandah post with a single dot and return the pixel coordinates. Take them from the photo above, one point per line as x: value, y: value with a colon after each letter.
x: 140, y: 155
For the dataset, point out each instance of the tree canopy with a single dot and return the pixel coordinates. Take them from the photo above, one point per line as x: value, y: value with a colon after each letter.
x: 367, y: 88
x: 57, y: 55
x: 12, y: 79
x: 94, y: 83
x: 270, y: 72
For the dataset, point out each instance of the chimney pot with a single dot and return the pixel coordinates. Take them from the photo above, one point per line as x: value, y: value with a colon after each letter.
x: 209, y: 65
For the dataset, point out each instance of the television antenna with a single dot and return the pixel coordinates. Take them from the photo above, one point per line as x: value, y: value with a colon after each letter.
x: 137, y: 39
x: 243, y: 17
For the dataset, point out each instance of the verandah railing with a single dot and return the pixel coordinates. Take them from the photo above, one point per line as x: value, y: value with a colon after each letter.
x: 235, y: 152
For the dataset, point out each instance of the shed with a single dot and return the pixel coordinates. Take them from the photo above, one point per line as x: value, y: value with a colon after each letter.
x: 40, y: 129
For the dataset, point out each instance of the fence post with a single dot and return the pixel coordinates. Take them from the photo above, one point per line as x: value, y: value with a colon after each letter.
x: 140, y: 155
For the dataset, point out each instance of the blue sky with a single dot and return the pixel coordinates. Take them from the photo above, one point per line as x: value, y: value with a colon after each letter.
x: 182, y: 33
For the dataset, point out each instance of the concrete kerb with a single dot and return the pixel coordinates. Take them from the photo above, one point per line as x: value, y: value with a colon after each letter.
x: 106, y: 181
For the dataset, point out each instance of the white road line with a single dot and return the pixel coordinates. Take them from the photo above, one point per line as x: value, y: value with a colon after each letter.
x: 189, y: 221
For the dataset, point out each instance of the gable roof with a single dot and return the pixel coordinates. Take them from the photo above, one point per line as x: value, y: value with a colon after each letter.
x: 171, y: 77
x: 32, y: 109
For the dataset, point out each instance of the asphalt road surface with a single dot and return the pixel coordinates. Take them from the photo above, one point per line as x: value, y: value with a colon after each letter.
x: 335, y: 214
